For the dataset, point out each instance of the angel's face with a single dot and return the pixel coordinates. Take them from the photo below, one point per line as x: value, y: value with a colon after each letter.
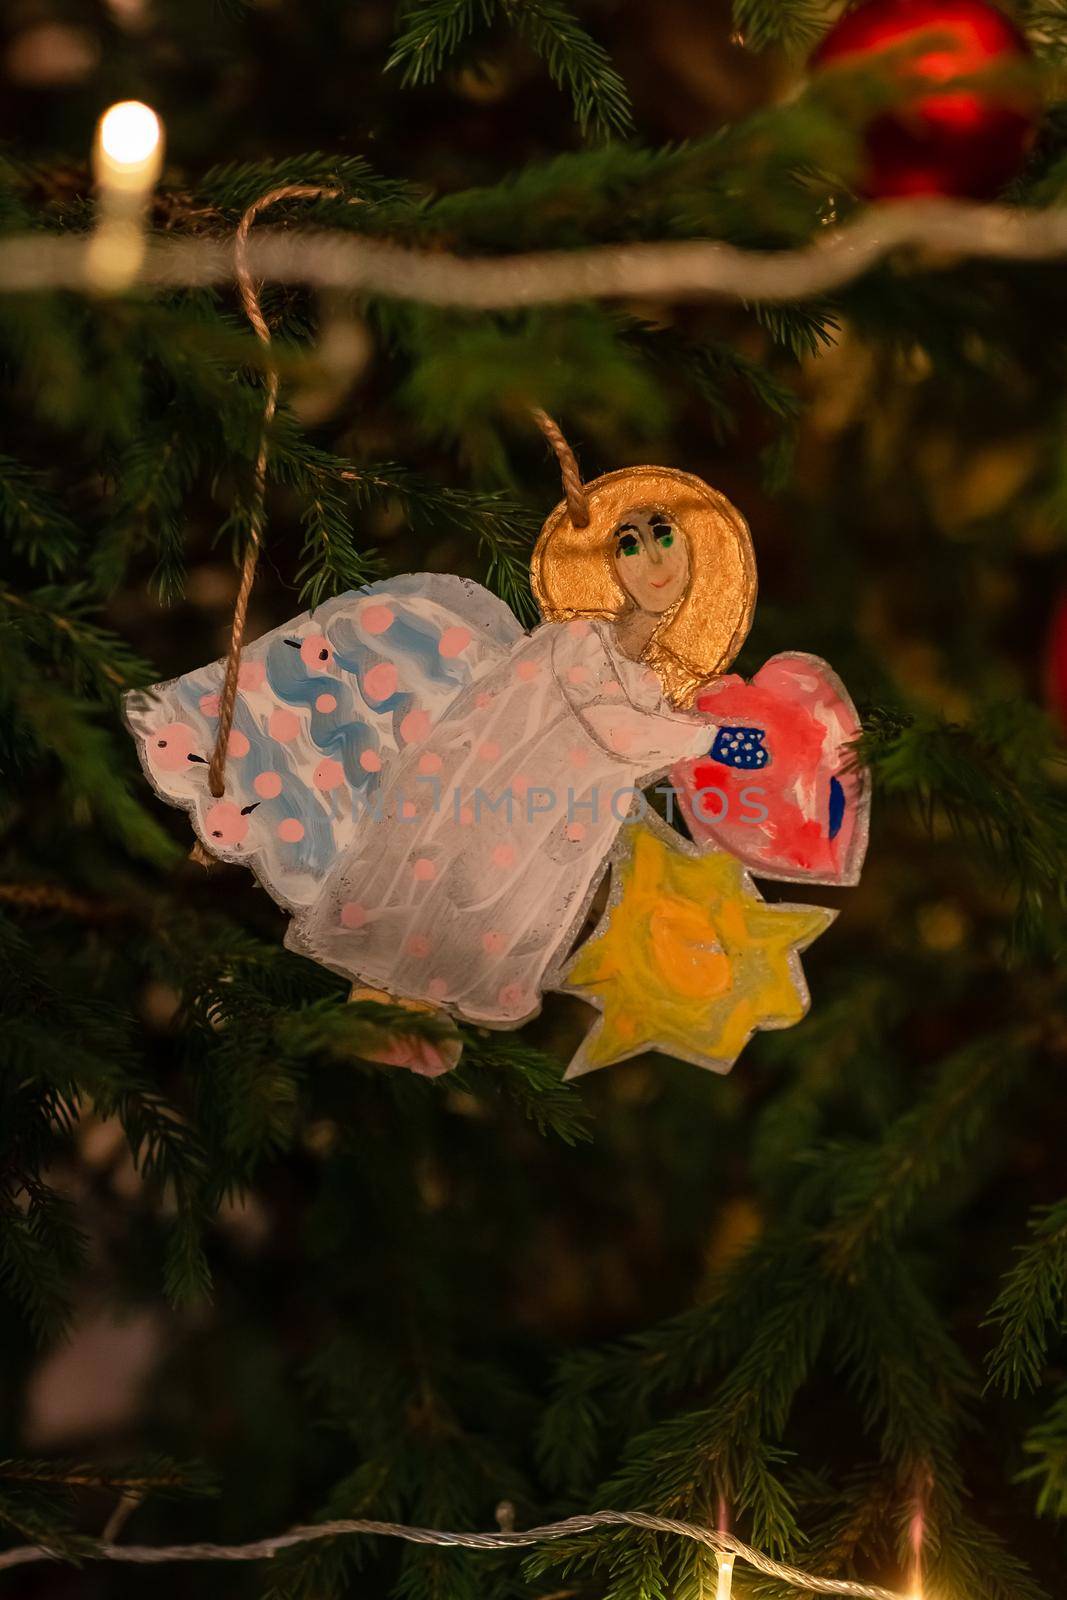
x: 651, y: 558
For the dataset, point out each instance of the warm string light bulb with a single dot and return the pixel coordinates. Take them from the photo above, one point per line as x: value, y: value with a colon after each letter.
x: 725, y: 1586
x: 130, y: 140
x: 127, y: 161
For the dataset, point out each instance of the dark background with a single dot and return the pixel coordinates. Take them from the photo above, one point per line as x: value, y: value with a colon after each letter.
x: 915, y: 542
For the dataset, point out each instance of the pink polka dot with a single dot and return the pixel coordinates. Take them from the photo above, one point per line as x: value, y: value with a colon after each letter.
x: 579, y: 627
x: 512, y: 997
x: 454, y: 641
x: 504, y: 855
x: 418, y: 945
x: 575, y: 831
x: 409, y: 809
x: 224, y: 824
x: 237, y: 745
x: 169, y: 747
x: 578, y: 757
x: 380, y: 682
x: 483, y: 700
x: 370, y: 761
x: 577, y: 674
x: 209, y: 705
x: 437, y: 988
x: 326, y: 702
x: 328, y: 774
x: 424, y: 870
x: 489, y: 751
x: 415, y: 726
x: 620, y: 739
x: 353, y: 915
x: 291, y: 830
x: 613, y: 689
x: 466, y: 816
x: 376, y: 619
x: 283, y: 726
x: 527, y: 671
x: 429, y: 763
x: 315, y: 652
x: 493, y: 942
x: 268, y: 784
x: 520, y: 783
x: 252, y: 675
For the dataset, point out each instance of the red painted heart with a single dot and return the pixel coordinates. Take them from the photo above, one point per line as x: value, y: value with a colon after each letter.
x: 778, y: 788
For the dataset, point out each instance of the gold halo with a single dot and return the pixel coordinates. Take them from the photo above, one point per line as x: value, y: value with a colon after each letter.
x: 573, y: 575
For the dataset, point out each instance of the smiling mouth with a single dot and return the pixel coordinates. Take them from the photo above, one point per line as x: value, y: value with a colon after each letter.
x: 662, y: 583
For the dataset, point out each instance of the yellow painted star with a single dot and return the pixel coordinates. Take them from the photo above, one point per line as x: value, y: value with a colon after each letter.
x: 688, y: 957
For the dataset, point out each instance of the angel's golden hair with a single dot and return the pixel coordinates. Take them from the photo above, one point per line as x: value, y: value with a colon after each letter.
x: 573, y: 571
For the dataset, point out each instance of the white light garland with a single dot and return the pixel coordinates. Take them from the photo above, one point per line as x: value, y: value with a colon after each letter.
x: 723, y: 1544
x: 944, y: 231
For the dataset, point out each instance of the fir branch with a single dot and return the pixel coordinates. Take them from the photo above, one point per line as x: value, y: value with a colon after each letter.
x: 727, y: 1447
x: 157, y: 1475
x: 911, y: 1379
x: 990, y: 780
x: 433, y: 32
x: 532, y: 1079
x: 804, y: 330
x: 576, y: 63
x: 472, y: 380
x: 1046, y: 1443
x: 54, y: 621
x: 41, y: 1250
x: 187, y: 1277
x: 65, y: 732
x: 875, y: 1191
x: 714, y: 368
x: 500, y: 529
x: 330, y: 561
x: 34, y: 519
x: 232, y: 187
x: 43, y: 1524
x: 155, y: 473
x: 673, y: 1357
x: 795, y: 24
x: 1045, y: 22
x: 1031, y: 1302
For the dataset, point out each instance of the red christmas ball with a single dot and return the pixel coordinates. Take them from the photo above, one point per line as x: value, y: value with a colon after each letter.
x: 962, y: 142
x: 1056, y: 664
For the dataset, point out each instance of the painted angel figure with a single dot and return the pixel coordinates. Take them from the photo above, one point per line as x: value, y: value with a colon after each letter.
x: 432, y: 792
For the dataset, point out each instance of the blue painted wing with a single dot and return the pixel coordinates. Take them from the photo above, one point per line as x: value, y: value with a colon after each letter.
x: 324, y: 704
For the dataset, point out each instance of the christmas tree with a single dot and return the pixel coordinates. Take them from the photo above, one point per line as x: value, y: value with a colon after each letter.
x: 253, y: 1277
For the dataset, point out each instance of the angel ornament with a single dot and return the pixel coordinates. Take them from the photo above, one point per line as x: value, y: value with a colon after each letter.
x: 433, y: 793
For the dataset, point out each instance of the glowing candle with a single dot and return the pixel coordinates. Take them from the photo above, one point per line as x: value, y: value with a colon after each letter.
x: 127, y: 161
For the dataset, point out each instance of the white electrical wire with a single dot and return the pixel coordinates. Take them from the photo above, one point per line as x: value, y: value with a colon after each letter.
x: 683, y: 270
x: 263, y: 1549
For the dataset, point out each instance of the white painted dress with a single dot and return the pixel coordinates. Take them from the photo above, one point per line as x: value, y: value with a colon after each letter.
x: 429, y: 790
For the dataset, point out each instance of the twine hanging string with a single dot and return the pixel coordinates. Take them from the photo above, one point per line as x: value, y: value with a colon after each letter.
x: 254, y: 311
x: 573, y: 488
x: 264, y: 1549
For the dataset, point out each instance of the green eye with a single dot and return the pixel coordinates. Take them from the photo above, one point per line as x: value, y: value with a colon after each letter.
x: 628, y: 545
x: 664, y: 534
